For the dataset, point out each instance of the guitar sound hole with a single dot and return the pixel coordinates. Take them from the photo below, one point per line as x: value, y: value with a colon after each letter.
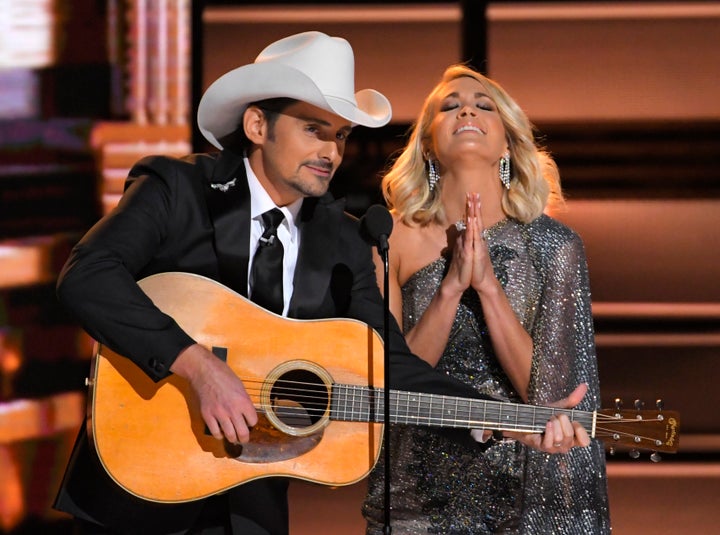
x: 299, y: 398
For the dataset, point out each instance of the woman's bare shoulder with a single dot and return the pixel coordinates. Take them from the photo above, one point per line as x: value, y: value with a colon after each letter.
x: 413, y: 247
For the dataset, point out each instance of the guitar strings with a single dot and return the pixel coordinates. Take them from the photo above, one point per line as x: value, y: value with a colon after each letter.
x: 367, y: 401
x: 316, y: 400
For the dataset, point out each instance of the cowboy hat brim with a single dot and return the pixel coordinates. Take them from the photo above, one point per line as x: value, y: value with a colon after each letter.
x: 224, y: 102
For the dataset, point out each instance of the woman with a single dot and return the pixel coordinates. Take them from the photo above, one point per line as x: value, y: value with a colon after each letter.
x: 493, y: 291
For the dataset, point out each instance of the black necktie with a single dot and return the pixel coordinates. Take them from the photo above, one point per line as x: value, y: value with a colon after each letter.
x: 266, y: 275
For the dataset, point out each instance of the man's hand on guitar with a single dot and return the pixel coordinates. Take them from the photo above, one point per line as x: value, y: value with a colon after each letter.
x: 225, y: 405
x: 561, y: 435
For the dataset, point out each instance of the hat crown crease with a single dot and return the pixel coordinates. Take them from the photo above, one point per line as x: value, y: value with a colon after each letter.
x: 327, y: 61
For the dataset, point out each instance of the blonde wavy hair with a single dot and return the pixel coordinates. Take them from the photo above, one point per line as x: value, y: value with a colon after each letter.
x: 535, y: 180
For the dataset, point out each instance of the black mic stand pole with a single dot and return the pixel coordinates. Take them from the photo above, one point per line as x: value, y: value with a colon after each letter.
x: 383, y: 248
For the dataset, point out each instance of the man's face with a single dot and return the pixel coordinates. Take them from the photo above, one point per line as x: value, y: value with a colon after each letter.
x: 298, y: 155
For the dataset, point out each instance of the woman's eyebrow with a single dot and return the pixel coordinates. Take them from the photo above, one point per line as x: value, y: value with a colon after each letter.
x: 455, y: 94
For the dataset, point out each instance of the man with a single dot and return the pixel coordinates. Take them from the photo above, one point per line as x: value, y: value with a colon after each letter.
x: 282, y: 124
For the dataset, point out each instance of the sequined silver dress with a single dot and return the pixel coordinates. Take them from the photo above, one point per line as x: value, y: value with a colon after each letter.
x: 442, y: 485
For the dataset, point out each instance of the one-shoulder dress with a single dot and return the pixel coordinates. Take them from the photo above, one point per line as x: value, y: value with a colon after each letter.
x: 443, y: 485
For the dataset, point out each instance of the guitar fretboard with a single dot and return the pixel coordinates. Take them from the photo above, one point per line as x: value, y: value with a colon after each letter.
x: 363, y: 404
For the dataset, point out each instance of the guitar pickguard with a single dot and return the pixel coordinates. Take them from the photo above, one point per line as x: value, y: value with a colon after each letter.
x: 268, y: 444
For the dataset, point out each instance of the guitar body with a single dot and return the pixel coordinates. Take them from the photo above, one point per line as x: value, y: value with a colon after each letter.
x: 152, y: 440
x: 316, y: 385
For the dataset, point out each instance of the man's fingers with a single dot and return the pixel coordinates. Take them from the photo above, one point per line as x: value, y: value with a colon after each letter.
x: 251, y: 417
x: 214, y: 428
x: 229, y: 431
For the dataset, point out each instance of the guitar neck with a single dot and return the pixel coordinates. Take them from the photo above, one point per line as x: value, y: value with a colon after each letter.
x: 362, y: 404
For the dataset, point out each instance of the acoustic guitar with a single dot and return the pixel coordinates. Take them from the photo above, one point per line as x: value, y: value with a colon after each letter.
x: 318, y: 389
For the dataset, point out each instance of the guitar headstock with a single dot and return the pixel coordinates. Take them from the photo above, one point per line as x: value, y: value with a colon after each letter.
x: 639, y: 429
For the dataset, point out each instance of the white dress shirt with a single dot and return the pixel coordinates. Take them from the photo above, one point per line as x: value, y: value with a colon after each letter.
x: 288, y: 232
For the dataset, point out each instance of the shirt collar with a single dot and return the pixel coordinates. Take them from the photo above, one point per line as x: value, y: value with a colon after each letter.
x: 260, y: 201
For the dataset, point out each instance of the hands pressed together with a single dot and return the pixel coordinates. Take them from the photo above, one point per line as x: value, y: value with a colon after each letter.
x: 470, y: 265
x: 229, y: 412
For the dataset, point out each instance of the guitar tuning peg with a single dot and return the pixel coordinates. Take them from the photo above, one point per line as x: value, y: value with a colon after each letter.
x: 634, y: 454
x: 612, y: 451
x: 618, y: 404
x: 660, y: 404
x: 639, y: 404
x: 655, y: 457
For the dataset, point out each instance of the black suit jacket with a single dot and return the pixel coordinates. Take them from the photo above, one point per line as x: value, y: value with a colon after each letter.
x: 174, y: 216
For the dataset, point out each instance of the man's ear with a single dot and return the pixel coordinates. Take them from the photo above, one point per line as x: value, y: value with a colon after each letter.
x: 255, y: 125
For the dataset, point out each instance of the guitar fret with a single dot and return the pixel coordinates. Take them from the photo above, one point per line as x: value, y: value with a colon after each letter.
x: 368, y: 410
x: 532, y: 418
x: 400, y: 410
x: 415, y: 409
x: 363, y: 409
x: 437, y: 417
x: 335, y: 402
x: 512, y: 421
x: 377, y: 402
x: 431, y: 415
x: 338, y: 403
x: 394, y: 402
x: 364, y: 404
x: 403, y: 412
x: 407, y: 407
x: 464, y: 410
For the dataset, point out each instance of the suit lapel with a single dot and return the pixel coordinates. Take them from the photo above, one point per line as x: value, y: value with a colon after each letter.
x: 229, y: 207
x: 316, y: 257
x: 228, y: 200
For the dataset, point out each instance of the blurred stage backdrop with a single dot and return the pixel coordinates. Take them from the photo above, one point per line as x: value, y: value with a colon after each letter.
x: 625, y: 95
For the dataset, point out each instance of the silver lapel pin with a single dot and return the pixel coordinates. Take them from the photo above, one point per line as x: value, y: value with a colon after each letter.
x: 224, y: 187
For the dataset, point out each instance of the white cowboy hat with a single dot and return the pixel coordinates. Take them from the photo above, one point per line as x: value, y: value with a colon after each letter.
x: 310, y: 66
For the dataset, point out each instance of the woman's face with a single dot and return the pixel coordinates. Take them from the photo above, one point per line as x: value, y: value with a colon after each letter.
x: 467, y: 124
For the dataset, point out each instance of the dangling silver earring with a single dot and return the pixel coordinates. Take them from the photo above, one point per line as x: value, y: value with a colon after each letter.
x: 433, y: 175
x: 505, y: 170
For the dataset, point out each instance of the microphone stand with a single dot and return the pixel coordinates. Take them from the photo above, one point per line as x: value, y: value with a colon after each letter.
x: 383, y: 248
x: 376, y: 226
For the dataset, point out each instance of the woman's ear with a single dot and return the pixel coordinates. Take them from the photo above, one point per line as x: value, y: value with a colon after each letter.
x: 255, y: 125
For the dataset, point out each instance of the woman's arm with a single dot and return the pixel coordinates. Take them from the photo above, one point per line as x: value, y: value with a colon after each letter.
x: 429, y: 336
x: 511, y: 343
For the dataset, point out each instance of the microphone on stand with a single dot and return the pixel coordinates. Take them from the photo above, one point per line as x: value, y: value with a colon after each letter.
x: 376, y: 226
